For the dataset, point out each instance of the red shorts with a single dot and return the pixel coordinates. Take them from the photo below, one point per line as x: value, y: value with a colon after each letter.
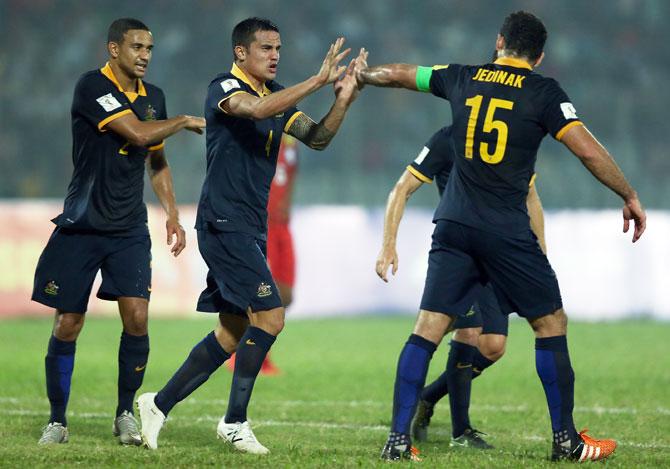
x: 280, y: 254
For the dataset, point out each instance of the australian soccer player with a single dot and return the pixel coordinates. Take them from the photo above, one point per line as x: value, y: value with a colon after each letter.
x: 246, y: 113
x: 501, y: 112
x: 119, y: 123
x: 480, y: 336
x: 281, y: 256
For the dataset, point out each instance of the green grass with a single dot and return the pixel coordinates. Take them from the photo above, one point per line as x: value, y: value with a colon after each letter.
x: 332, y: 404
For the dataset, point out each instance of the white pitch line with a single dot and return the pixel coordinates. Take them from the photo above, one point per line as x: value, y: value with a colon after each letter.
x: 303, y: 424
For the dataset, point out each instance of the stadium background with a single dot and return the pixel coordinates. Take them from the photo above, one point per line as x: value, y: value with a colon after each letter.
x: 607, y: 54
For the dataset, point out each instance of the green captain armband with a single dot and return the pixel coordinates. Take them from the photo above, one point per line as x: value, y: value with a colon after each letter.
x: 423, y: 75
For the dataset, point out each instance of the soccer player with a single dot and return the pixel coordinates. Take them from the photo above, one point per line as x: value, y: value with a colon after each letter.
x: 119, y: 125
x: 246, y: 113
x: 281, y: 257
x: 480, y: 336
x: 501, y: 112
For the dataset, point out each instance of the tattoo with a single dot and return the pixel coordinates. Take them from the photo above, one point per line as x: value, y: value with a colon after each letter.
x: 314, y: 135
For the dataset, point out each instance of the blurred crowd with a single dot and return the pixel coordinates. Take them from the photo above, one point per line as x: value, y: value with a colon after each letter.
x: 609, y: 56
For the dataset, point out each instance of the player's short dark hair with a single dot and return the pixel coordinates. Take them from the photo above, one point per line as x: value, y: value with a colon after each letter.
x: 243, y: 32
x: 524, y: 34
x: 121, y: 26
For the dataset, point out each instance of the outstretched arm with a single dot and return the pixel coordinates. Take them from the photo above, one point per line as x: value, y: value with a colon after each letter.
x: 252, y: 107
x: 536, y: 214
x: 144, y: 133
x: 395, y: 208
x: 599, y: 162
x: 161, y: 181
x: 389, y: 75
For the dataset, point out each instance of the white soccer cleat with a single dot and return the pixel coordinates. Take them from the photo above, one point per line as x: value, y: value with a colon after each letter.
x: 152, y: 419
x: 240, y: 436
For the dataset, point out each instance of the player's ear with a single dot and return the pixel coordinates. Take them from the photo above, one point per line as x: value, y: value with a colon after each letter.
x: 539, y: 61
x: 500, y: 42
x: 240, y: 52
x: 113, y: 49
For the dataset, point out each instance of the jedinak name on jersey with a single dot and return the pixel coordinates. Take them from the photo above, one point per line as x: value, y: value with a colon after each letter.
x: 501, y: 77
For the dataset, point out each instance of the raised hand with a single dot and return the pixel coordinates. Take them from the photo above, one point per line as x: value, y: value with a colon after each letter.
x: 346, y: 87
x: 330, y: 68
x: 361, y: 64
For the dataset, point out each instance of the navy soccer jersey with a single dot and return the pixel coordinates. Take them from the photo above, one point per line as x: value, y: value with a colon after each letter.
x: 241, y: 158
x: 106, y: 191
x: 501, y: 112
x: 435, y: 160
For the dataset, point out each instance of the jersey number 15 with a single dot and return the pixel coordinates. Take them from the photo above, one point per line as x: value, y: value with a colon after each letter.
x: 490, y: 124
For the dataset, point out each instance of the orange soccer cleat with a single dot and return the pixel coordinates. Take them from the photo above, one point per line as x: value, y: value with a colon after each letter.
x: 587, y: 449
x: 268, y: 368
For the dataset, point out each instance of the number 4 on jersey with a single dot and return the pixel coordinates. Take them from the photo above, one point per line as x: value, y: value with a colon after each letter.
x: 490, y: 124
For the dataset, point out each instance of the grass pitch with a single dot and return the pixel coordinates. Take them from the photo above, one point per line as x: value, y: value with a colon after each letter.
x: 331, y: 406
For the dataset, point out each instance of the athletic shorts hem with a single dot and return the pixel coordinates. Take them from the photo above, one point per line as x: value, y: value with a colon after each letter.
x: 54, y: 303
x: 450, y: 311
x: 541, y: 310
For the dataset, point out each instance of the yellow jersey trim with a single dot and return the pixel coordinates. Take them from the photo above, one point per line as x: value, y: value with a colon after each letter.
x: 418, y: 174
x: 566, y: 127
x: 156, y: 147
x: 532, y: 180
x: 132, y: 95
x: 290, y: 122
x: 239, y: 73
x: 228, y: 97
x: 512, y: 62
x: 109, y: 119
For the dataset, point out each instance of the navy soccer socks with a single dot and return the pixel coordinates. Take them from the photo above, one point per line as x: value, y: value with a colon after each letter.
x: 459, y: 380
x: 440, y: 388
x: 251, y: 352
x: 59, y: 364
x: 410, y: 378
x: 552, y: 362
x: 133, y: 356
x: 205, y: 358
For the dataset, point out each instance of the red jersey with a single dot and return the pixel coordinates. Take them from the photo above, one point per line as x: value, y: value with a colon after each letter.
x: 279, y: 204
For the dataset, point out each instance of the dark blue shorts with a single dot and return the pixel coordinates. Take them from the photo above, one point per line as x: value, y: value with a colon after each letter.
x: 71, y: 259
x: 238, y: 277
x: 485, y: 313
x: 462, y: 259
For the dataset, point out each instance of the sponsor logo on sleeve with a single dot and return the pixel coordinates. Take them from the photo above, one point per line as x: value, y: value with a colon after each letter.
x: 264, y: 290
x: 229, y: 84
x: 422, y: 155
x: 569, y: 111
x: 108, y: 102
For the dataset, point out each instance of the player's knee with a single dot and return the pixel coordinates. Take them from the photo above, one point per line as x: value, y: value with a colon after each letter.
x: 67, y: 326
x: 551, y: 325
x: 468, y: 335
x: 492, y: 346
x: 136, y: 322
x: 432, y: 326
x: 271, y: 321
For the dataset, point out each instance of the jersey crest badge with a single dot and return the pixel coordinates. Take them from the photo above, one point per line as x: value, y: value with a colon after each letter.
x: 264, y: 290
x: 108, y: 102
x: 229, y: 84
x: 150, y: 114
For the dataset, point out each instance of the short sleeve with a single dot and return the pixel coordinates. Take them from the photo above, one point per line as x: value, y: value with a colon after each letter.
x: 558, y: 114
x: 443, y: 79
x: 434, y: 158
x: 222, y: 89
x: 99, y: 101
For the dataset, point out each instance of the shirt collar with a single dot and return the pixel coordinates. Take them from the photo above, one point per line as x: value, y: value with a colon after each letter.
x: 239, y: 73
x: 512, y: 62
x: 107, y: 71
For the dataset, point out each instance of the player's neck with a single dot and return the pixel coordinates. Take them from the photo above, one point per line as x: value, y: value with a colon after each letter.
x: 126, y: 82
x: 255, y: 82
x: 502, y: 54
